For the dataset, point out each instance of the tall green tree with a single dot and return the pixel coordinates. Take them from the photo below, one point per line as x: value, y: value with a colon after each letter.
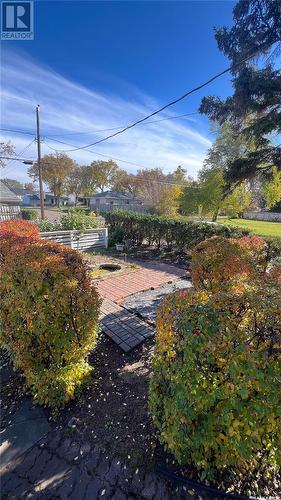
x: 206, y: 196
x: 56, y: 169
x: 254, y: 109
x: 271, y: 189
x: 77, y: 182
x: 101, y: 174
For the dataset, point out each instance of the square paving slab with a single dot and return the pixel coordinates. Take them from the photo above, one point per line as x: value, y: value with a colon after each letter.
x: 123, y: 327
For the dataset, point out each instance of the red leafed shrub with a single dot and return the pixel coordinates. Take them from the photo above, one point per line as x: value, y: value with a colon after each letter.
x: 227, y: 262
x: 19, y: 227
x: 220, y: 262
x: 49, y: 313
x: 256, y: 247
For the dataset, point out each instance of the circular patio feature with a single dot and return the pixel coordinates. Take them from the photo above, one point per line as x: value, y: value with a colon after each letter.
x: 110, y: 267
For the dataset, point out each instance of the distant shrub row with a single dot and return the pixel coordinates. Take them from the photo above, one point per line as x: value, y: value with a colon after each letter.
x: 158, y: 230
x: 175, y: 233
x: 48, y: 312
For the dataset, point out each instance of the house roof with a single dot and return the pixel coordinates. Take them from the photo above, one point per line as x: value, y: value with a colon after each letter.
x: 51, y: 195
x: 20, y: 191
x: 7, y: 195
x: 115, y: 194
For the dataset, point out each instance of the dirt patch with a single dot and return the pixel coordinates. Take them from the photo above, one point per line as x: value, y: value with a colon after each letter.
x: 96, y: 260
x: 112, y: 412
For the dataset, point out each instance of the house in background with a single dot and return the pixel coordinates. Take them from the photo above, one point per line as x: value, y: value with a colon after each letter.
x: 31, y: 200
x: 28, y: 197
x: 50, y: 200
x: 9, y: 203
x: 112, y: 200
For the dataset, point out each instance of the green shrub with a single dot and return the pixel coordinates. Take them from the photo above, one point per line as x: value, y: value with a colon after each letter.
x: 48, y: 315
x: 46, y: 225
x: 74, y: 219
x: 215, y: 392
x: 29, y: 214
x: 177, y: 233
x: 116, y: 236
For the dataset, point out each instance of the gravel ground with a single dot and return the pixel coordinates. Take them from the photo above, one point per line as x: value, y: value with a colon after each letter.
x: 145, y: 303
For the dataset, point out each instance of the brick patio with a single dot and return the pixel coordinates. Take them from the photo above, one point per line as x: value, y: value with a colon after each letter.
x: 149, y: 276
x: 123, y: 327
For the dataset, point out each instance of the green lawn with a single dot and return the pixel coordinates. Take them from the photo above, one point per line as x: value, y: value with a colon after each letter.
x: 256, y: 226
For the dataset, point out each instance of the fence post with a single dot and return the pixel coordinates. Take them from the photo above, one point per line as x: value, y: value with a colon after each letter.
x: 71, y: 239
x: 106, y: 237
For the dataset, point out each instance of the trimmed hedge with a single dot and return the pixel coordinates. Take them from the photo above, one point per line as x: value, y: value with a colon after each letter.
x: 49, y: 313
x: 153, y: 229
x: 177, y: 233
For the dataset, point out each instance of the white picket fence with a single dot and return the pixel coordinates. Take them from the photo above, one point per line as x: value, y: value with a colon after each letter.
x: 89, y: 239
x: 8, y: 212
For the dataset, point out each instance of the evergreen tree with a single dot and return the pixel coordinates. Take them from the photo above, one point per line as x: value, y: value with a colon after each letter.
x: 254, y: 109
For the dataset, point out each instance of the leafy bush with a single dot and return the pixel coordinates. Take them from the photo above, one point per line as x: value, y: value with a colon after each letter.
x: 153, y: 229
x: 77, y: 219
x: 46, y: 225
x: 224, y: 262
x: 215, y: 393
x: 116, y: 236
x: 48, y: 315
x: 74, y: 219
x: 29, y: 214
x: 19, y: 227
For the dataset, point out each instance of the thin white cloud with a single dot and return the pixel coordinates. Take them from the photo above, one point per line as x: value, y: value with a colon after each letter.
x: 68, y: 107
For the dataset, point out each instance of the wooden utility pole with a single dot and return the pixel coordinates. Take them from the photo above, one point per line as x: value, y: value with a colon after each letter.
x: 39, y: 162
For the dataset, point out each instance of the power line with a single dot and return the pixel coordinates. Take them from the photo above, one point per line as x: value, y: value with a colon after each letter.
x: 95, y: 153
x: 101, y: 130
x: 120, y: 127
x: 129, y: 162
x: 175, y: 101
x: 13, y: 159
x: 17, y: 131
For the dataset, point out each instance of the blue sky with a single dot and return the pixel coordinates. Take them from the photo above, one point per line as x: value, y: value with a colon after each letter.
x: 97, y: 65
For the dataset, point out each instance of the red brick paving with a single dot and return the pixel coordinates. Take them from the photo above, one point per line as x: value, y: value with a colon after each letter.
x: 117, y: 288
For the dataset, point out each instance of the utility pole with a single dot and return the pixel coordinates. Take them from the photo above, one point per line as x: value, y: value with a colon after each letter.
x: 39, y: 162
